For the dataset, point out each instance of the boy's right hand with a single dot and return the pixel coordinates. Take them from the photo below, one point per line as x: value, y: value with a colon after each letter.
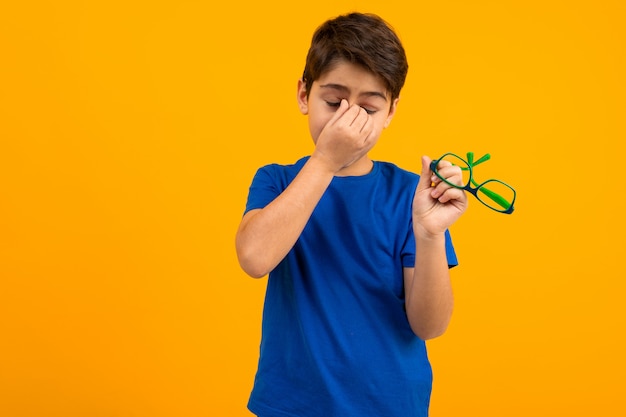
x: 346, y: 137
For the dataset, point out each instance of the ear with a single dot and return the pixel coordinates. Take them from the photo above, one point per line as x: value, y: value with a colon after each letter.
x: 303, y: 100
x: 392, y: 112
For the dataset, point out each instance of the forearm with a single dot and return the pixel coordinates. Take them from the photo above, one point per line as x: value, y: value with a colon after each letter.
x: 429, y: 299
x: 266, y: 236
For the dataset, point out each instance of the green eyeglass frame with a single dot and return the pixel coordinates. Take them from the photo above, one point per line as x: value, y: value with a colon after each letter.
x: 483, y: 193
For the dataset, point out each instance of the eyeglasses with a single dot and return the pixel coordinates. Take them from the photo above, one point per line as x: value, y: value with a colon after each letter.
x: 495, y: 194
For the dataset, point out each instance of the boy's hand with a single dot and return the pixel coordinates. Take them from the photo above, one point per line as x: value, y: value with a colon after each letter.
x: 346, y: 137
x: 437, y: 205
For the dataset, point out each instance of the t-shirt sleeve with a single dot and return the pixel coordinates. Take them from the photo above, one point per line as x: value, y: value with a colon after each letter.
x: 263, y: 190
x: 450, y: 252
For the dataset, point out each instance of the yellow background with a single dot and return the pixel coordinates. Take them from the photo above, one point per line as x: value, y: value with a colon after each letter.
x: 130, y: 132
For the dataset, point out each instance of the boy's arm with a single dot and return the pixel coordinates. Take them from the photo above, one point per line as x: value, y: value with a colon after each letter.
x: 266, y: 235
x: 428, y: 290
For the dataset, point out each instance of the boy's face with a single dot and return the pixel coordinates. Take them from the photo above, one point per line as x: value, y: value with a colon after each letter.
x: 352, y: 83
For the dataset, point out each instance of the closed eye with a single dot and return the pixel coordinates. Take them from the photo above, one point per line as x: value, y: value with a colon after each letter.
x: 335, y: 105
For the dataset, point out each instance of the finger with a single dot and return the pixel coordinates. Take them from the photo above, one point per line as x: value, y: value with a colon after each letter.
x: 452, y: 194
x: 343, y: 108
x: 357, y: 116
x: 443, y: 164
x: 440, y: 189
x: 362, y: 121
x: 425, y: 181
x: 451, y: 174
x: 370, y: 134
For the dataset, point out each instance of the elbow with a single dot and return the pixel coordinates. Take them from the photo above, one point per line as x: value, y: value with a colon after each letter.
x: 430, y: 329
x: 252, y: 268
x: 254, y: 272
x: 429, y: 333
x: 251, y: 264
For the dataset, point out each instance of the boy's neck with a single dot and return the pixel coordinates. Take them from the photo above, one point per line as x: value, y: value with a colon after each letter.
x: 361, y: 167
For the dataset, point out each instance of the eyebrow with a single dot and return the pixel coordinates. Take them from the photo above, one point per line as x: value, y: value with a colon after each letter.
x: 343, y: 88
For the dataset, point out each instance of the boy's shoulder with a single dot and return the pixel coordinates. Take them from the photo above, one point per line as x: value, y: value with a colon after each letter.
x: 289, y: 166
x: 288, y: 169
x: 390, y: 169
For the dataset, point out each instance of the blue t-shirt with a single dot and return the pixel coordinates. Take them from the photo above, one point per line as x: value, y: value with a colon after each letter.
x: 336, y: 340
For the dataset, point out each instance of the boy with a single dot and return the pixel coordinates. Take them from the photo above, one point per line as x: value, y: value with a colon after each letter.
x: 357, y: 250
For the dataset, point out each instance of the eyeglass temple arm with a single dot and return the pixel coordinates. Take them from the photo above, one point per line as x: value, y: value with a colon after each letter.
x: 472, y: 163
x: 501, y: 201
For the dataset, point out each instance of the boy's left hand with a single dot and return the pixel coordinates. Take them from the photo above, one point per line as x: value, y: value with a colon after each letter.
x: 437, y: 205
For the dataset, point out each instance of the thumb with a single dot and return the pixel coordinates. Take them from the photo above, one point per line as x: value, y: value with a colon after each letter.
x: 425, y: 182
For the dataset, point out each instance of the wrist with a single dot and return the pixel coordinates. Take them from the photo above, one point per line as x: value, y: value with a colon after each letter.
x: 425, y: 236
x: 322, y: 163
x: 318, y: 171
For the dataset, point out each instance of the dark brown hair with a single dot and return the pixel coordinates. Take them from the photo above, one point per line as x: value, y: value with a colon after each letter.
x: 359, y: 38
